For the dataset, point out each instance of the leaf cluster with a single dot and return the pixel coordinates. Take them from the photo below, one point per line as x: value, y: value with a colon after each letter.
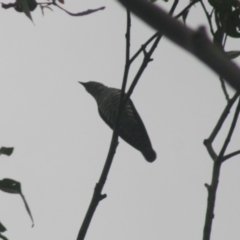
x: 13, y: 187
x: 28, y: 6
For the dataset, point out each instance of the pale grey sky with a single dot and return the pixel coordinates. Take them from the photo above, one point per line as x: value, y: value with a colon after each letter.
x: 61, y: 143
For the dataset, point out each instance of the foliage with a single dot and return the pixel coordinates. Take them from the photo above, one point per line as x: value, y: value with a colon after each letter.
x: 13, y: 187
x: 28, y: 6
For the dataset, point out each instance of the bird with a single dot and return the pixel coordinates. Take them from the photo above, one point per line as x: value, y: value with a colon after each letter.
x: 131, y: 128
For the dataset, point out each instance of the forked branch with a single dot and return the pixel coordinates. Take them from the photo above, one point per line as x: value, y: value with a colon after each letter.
x: 212, y: 189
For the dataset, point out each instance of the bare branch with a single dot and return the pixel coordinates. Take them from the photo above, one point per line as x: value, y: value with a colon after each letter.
x: 208, y: 17
x: 186, y: 9
x: 224, y: 89
x: 230, y: 155
x: 143, y: 47
x: 211, y: 152
x: 228, y: 138
x: 97, y: 195
x: 79, y: 14
x: 147, y: 57
x: 212, y: 189
x: 208, y: 142
x: 195, y: 42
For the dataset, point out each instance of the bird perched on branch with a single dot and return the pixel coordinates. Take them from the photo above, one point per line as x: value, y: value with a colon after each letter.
x: 131, y: 128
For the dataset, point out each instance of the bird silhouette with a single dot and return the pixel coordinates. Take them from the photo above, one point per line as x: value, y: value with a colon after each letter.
x: 131, y: 127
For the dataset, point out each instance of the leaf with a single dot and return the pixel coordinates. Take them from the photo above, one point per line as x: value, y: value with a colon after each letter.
x: 42, y: 10
x: 32, y: 4
x: 233, y: 54
x: 48, y: 8
x: 2, y: 228
x: 184, y: 16
x: 61, y: 1
x: 6, y: 151
x: 27, y: 208
x: 23, y: 6
x: 26, y: 9
x: 12, y: 186
x: 3, y: 237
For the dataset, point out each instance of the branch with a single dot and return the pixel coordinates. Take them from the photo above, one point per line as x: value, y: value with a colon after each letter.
x: 228, y: 138
x: 146, y: 60
x: 224, y: 89
x: 196, y: 42
x: 79, y: 14
x: 143, y: 47
x: 208, y: 142
x: 97, y: 195
x: 8, y: 5
x: 230, y: 155
x: 212, y: 189
x: 175, y: 3
x: 147, y: 57
x: 208, y: 17
x: 186, y: 9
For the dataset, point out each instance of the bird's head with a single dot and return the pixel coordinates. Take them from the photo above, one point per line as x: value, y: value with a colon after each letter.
x: 94, y: 88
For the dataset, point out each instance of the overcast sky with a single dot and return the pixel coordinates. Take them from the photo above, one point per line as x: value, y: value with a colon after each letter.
x: 61, y: 142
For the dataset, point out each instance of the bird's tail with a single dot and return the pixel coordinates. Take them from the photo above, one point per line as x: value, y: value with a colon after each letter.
x: 149, y: 154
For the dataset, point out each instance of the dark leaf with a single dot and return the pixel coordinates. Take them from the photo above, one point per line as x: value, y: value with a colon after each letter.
x: 48, y: 8
x: 6, y: 151
x: 42, y: 10
x: 27, y: 208
x: 3, y: 237
x: 2, y: 228
x: 26, y: 6
x: 12, y: 186
x: 184, y: 16
x: 233, y: 54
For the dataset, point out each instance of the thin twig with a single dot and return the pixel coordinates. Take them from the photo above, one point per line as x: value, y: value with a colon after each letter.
x: 212, y: 189
x: 175, y: 3
x: 228, y: 139
x: 97, y: 195
x: 196, y: 42
x: 147, y: 58
x: 155, y: 35
x: 143, y: 47
x: 209, y: 17
x: 224, y: 88
x: 223, y: 117
x: 230, y: 155
x: 208, y: 142
x: 186, y: 8
x: 79, y: 14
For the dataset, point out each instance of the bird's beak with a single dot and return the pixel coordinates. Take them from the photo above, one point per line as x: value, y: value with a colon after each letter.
x: 82, y: 83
